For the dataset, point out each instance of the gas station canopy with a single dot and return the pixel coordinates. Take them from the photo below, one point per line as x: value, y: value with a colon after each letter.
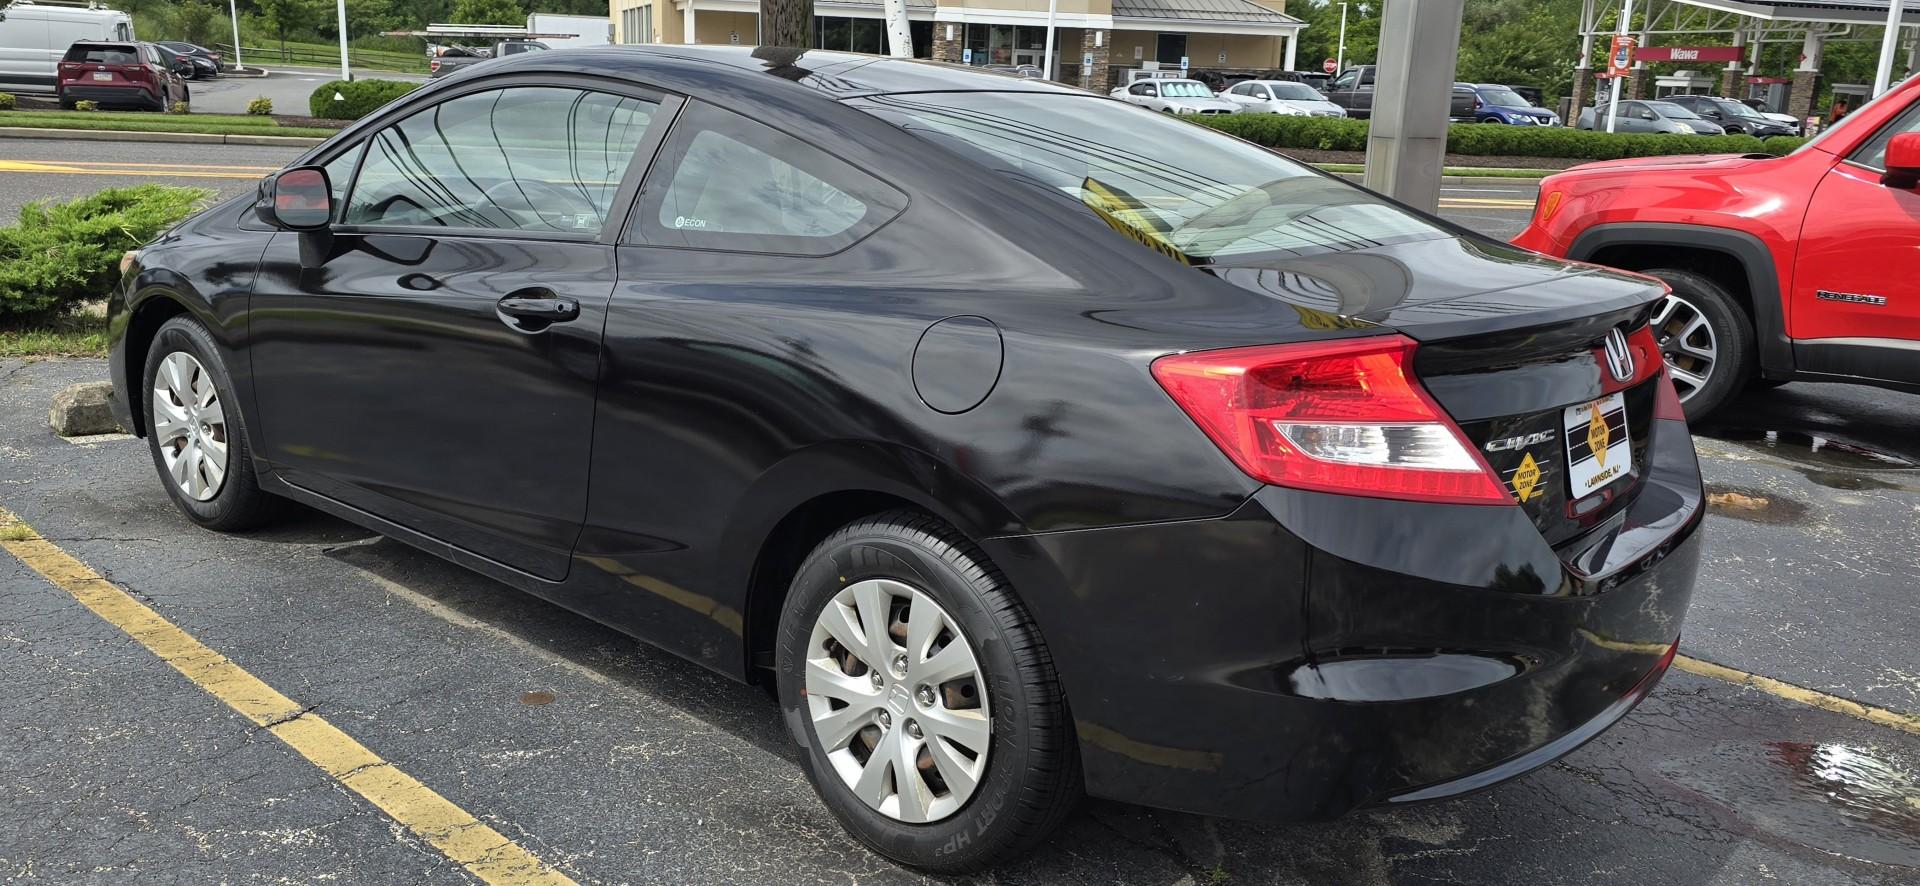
x: 1866, y: 12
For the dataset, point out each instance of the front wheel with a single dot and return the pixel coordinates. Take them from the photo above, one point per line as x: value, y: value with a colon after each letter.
x: 925, y: 703
x: 195, y: 432
x: 1707, y: 341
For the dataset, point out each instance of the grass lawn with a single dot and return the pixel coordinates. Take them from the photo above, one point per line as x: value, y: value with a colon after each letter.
x: 268, y: 52
x: 82, y: 335
x: 209, y: 124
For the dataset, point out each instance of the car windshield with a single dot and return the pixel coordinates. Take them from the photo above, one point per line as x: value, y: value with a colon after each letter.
x: 1188, y: 192
x: 1672, y: 111
x: 1502, y: 97
x: 1297, y: 92
x: 1184, y: 89
x: 1735, y: 109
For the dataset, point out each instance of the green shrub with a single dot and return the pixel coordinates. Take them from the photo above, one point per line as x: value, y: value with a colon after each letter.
x: 356, y: 99
x: 7, y: 101
x: 1479, y: 139
x: 59, y: 256
x: 260, y: 107
x: 180, y: 108
x: 86, y: 106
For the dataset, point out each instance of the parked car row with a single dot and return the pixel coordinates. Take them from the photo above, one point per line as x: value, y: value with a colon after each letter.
x: 1690, y: 115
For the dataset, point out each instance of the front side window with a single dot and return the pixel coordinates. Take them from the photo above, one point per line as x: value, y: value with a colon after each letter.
x: 1672, y: 111
x: 535, y: 159
x: 1346, y: 80
x: 726, y: 182
x: 1145, y: 89
x: 1183, y: 190
x: 1873, y: 154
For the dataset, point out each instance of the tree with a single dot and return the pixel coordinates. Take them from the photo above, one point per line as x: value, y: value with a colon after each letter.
x: 787, y: 23
x: 289, y: 16
x: 489, y: 12
x: 196, y: 22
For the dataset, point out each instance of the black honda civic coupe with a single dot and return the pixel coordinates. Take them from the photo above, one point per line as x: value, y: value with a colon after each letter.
x: 1029, y: 444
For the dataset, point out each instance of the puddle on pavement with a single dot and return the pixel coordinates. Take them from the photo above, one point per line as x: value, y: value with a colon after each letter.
x: 1753, y: 505
x: 537, y: 697
x: 1835, y: 798
x: 1812, y: 450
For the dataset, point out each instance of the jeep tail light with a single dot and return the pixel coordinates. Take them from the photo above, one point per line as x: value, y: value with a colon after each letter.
x: 1342, y: 416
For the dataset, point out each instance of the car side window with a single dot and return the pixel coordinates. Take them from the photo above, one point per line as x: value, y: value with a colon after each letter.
x: 523, y: 158
x: 1260, y: 92
x: 1345, y: 81
x: 340, y: 176
x: 1645, y: 113
x: 1873, y: 154
x: 726, y: 182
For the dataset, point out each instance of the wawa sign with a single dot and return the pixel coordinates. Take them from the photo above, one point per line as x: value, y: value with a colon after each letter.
x: 1689, y: 54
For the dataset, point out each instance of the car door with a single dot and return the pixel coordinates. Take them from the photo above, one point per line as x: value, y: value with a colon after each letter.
x: 1635, y: 117
x: 1345, y: 89
x: 1854, y: 307
x: 1146, y: 94
x: 433, y: 359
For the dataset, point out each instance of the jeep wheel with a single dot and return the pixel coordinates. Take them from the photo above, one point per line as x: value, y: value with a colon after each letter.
x: 1707, y: 340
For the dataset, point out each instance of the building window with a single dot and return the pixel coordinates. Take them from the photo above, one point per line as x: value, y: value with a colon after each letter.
x: 867, y: 35
x: 1171, y: 49
x: 636, y: 24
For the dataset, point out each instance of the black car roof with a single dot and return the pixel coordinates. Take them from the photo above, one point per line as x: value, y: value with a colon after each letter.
x: 760, y: 71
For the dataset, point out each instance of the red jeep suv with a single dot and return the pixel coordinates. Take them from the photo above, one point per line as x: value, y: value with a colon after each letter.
x: 1803, y: 267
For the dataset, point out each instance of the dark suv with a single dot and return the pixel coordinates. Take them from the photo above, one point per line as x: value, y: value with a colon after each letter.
x: 120, y: 74
x: 1734, y: 117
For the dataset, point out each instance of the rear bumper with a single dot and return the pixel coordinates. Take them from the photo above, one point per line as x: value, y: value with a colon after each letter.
x: 1311, y: 654
x: 111, y: 95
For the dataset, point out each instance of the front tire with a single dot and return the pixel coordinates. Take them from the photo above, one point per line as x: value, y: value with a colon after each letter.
x: 196, y: 434
x: 902, y: 648
x: 1707, y: 340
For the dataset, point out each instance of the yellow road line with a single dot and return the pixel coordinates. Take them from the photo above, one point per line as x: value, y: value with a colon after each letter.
x: 97, y: 163
x: 1800, y: 694
x: 483, y: 851
x: 7, y: 166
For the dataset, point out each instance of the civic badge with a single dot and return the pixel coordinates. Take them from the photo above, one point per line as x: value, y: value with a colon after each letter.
x: 1526, y: 479
x: 1619, y: 356
x: 1598, y: 437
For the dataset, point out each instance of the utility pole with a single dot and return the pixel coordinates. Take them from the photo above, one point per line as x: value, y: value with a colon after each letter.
x: 1046, y: 61
x: 340, y: 6
x: 1889, y: 44
x: 899, y: 35
x: 1340, y: 54
x: 1619, y: 83
x: 233, y: 9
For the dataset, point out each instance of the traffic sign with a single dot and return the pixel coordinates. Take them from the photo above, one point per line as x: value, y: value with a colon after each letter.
x: 1329, y: 66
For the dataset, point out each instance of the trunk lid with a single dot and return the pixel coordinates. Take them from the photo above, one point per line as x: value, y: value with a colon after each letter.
x: 1513, y: 347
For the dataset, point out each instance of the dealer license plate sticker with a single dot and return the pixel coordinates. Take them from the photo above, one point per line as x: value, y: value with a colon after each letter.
x: 1599, y: 450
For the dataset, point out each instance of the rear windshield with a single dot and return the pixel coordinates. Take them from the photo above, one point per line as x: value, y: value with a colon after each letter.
x: 98, y: 54
x: 1186, y: 191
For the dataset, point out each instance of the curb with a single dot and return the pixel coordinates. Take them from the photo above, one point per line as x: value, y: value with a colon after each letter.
x: 184, y: 138
x: 1449, y: 179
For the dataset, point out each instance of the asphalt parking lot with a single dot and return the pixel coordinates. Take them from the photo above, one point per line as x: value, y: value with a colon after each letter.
x: 288, y: 87
x: 1791, y: 760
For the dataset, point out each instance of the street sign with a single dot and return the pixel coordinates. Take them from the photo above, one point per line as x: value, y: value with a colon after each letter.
x: 1620, y: 58
x: 966, y: 56
x: 1086, y: 65
x: 1329, y: 66
x: 1183, y: 65
x: 1691, y: 53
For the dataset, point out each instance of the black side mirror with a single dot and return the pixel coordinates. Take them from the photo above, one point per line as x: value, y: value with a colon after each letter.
x: 297, y: 199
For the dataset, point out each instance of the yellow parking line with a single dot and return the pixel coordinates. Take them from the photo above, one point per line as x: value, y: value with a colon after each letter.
x: 483, y: 851
x: 1800, y: 694
x: 144, y: 166
x: 53, y: 169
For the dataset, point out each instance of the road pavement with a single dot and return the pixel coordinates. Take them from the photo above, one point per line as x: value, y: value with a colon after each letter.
x: 612, y: 762
x: 289, y: 87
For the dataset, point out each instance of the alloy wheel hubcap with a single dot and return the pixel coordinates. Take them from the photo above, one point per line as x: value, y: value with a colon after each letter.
x: 190, y: 426
x: 898, y: 700
x: 1687, y: 343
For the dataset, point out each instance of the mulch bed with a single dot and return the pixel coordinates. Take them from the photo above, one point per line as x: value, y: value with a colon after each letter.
x: 1313, y: 156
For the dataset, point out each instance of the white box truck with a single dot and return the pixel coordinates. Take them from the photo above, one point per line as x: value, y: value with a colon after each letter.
x: 34, y: 37
x: 593, y: 30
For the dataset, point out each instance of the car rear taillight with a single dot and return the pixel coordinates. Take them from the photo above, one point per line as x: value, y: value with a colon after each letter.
x: 1343, y: 416
x: 136, y: 73
x: 1666, y: 400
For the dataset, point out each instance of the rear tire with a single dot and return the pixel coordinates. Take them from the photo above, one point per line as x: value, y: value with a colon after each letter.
x: 204, y: 462
x: 1707, y: 339
x: 1026, y: 776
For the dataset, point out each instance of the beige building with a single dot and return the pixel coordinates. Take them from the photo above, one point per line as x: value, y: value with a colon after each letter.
x: 1095, y: 41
